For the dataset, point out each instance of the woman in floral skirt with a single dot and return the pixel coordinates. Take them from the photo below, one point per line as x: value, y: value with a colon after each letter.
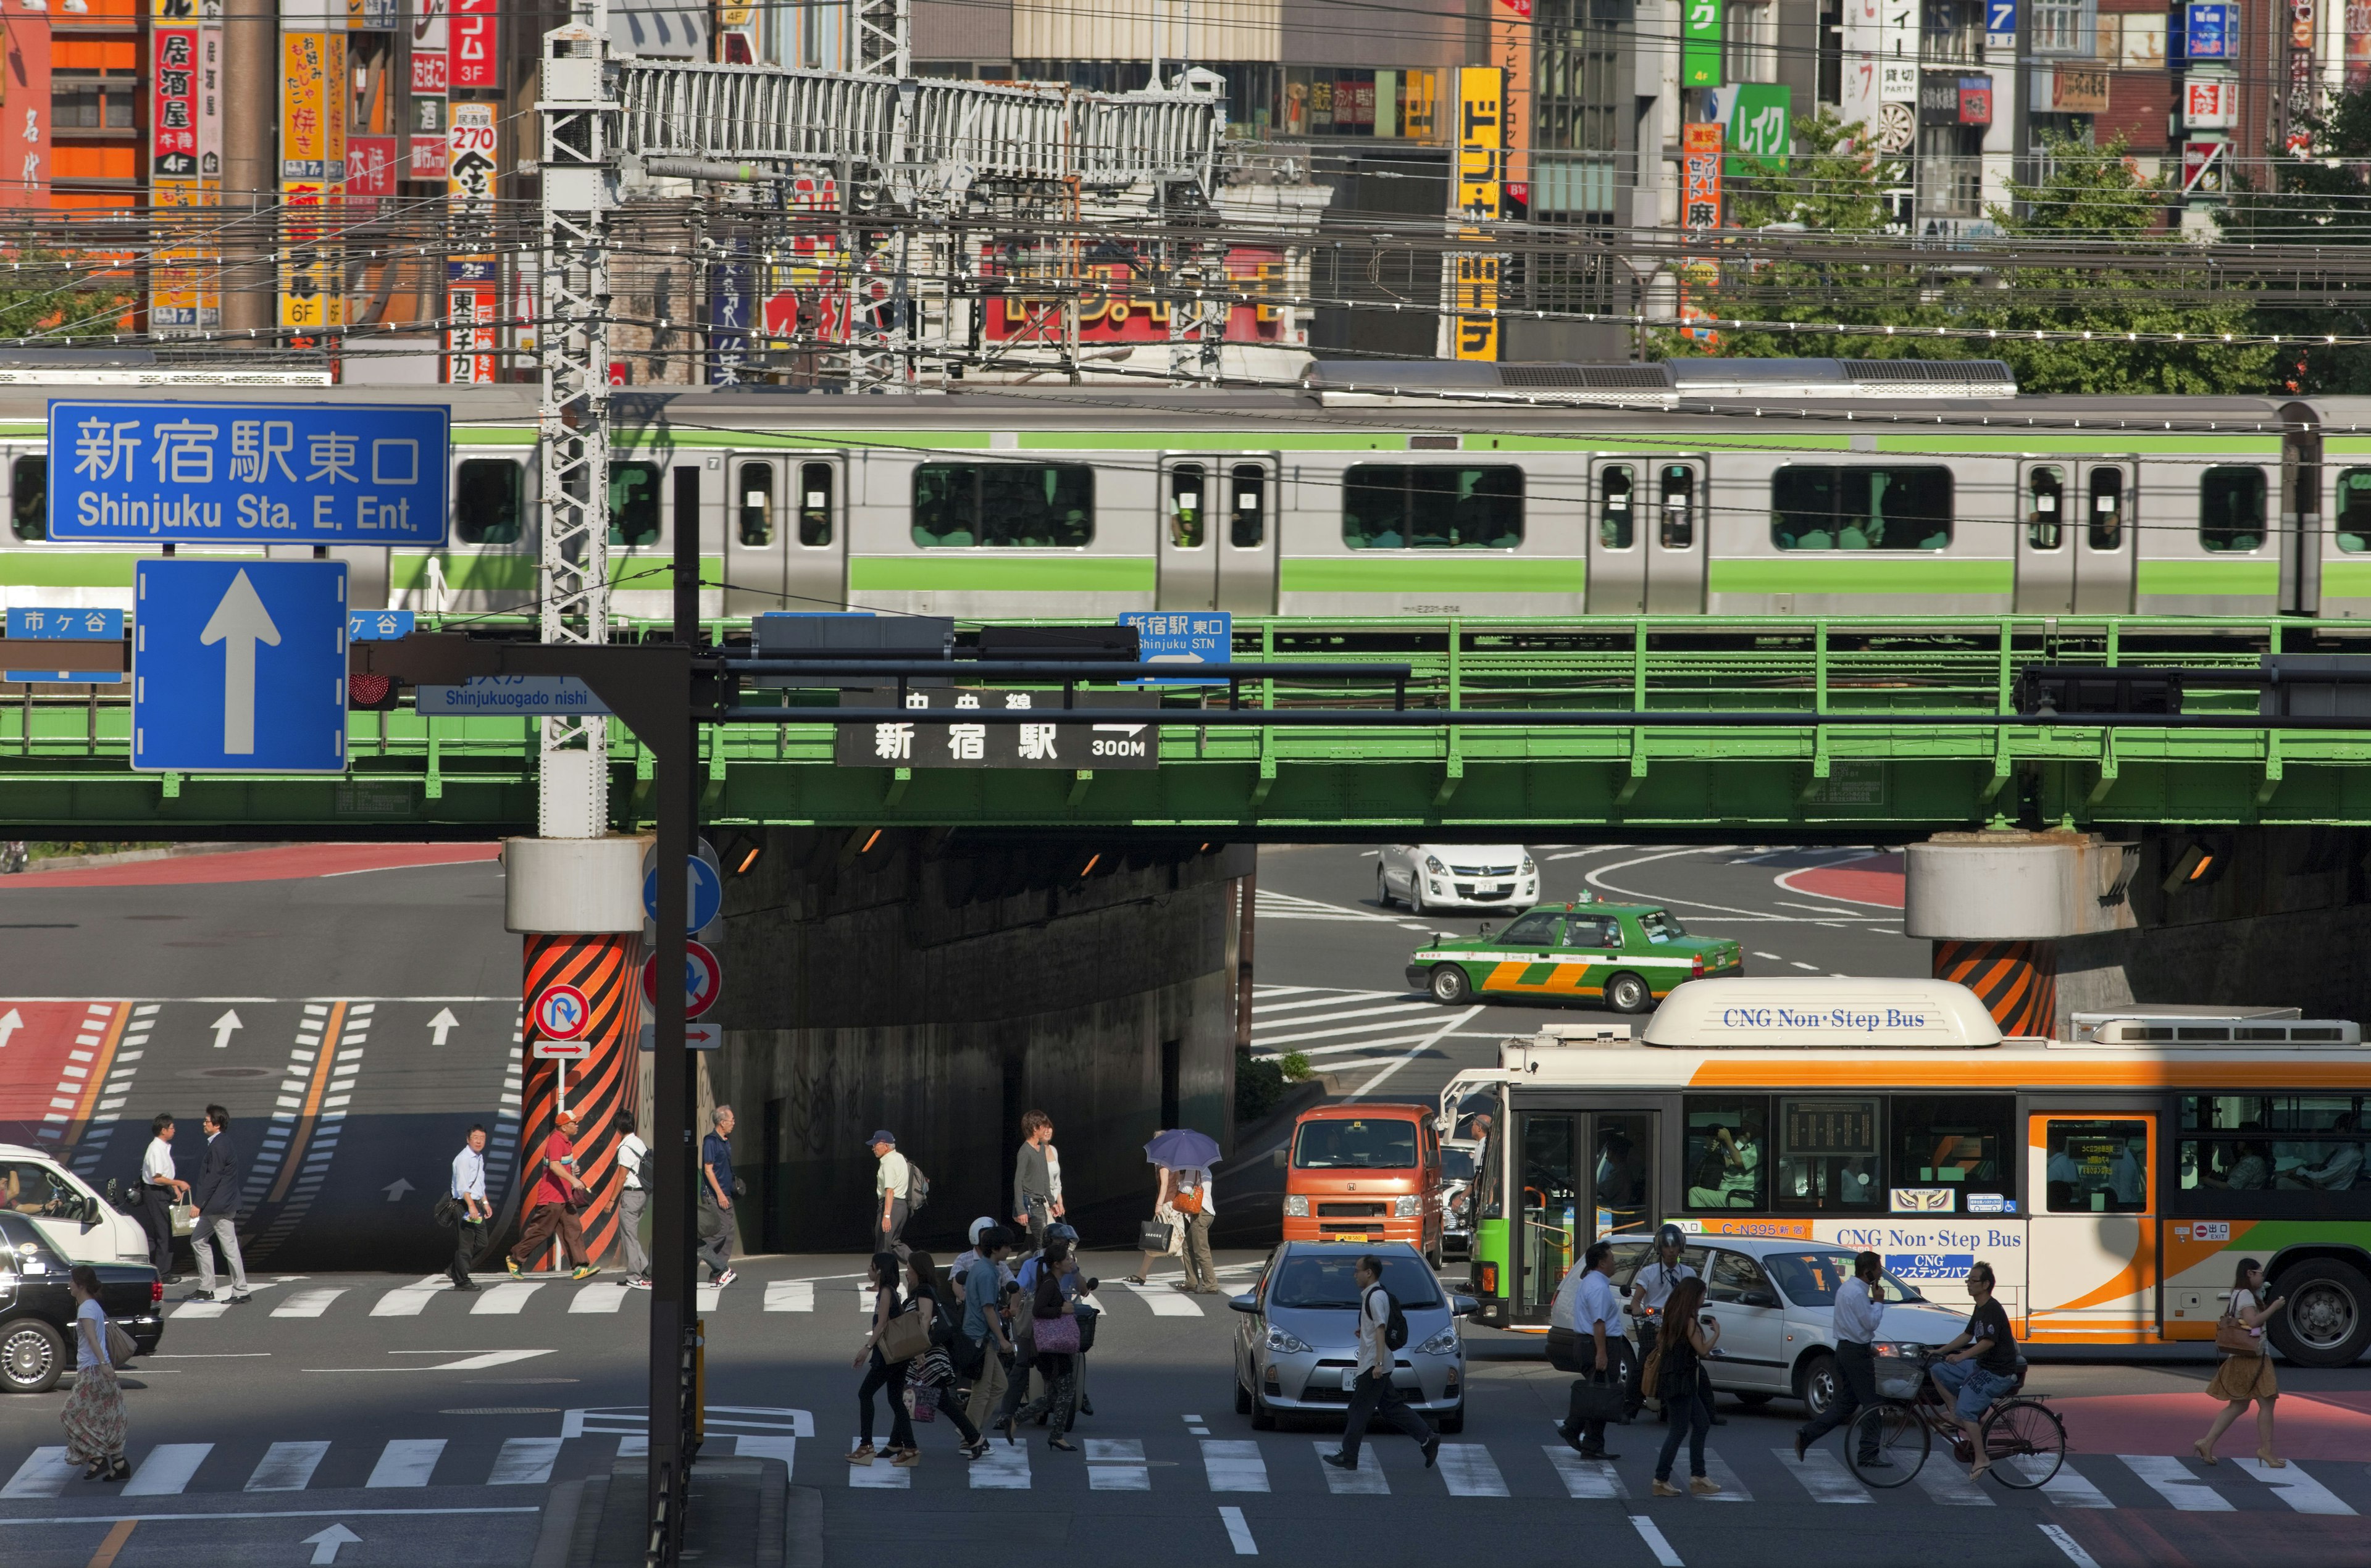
x: 94, y: 1413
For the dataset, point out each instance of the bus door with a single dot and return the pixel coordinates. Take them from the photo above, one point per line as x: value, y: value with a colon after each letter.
x: 2090, y: 1250
x: 785, y: 536
x: 1580, y: 1175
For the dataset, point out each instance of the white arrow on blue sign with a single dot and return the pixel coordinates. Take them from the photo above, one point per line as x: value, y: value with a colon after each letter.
x: 240, y: 666
x: 705, y: 891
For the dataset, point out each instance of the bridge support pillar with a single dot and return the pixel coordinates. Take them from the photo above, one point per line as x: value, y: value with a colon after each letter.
x: 1997, y: 905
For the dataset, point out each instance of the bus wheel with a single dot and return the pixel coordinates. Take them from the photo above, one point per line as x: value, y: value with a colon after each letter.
x: 2328, y: 1320
x: 1628, y: 994
x: 1449, y: 985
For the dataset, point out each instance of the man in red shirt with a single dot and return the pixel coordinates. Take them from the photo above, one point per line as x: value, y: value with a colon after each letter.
x: 554, y: 1204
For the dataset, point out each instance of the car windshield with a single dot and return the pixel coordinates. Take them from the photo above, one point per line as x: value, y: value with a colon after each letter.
x: 1326, y: 1280
x: 1457, y: 1165
x: 1809, y: 1279
x: 1365, y: 1144
x: 1661, y: 927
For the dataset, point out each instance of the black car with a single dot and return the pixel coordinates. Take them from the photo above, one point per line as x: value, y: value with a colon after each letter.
x: 37, y: 1307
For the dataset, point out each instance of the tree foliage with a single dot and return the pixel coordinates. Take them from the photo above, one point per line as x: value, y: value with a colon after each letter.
x: 65, y: 296
x: 2322, y: 196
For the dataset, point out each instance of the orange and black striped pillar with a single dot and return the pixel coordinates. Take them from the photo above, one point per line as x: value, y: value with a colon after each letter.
x: 608, y: 969
x: 2018, y: 982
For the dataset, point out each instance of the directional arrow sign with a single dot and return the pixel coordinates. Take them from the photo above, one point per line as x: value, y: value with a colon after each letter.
x: 443, y: 1025
x: 10, y: 1021
x: 240, y: 666
x: 395, y: 1189
x: 223, y: 1027
x: 325, y: 1545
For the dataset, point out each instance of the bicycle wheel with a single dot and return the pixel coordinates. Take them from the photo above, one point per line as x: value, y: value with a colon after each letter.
x: 2025, y: 1442
x: 1900, y: 1438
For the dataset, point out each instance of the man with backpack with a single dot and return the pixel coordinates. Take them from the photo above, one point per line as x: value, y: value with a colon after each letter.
x: 1382, y: 1329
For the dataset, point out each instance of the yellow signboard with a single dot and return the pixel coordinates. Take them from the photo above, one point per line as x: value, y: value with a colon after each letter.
x: 1481, y: 177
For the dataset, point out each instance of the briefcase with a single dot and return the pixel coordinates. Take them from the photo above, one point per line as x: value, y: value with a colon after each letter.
x: 1595, y: 1401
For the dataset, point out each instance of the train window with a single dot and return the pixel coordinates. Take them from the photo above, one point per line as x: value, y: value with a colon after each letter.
x: 2045, y: 508
x: 1677, y: 528
x: 1248, y: 531
x: 2107, y: 509
x: 1390, y: 506
x: 1185, y: 483
x: 489, y: 501
x: 1616, y: 529
x: 633, y: 503
x: 1814, y: 507
x: 29, y: 498
x: 754, y: 503
x: 814, y: 504
x: 2231, y: 509
x: 2352, y: 525
x: 1023, y: 505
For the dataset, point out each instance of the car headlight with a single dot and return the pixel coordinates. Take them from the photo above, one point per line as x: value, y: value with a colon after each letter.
x: 1530, y: 867
x: 1432, y: 863
x: 1441, y: 1343
x: 1904, y: 1350
x: 1282, y: 1344
x: 1408, y: 1207
x: 1296, y: 1206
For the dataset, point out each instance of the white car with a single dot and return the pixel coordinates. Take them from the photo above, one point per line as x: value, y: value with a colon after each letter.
x: 1426, y: 877
x: 1775, y: 1298
x: 70, y: 1215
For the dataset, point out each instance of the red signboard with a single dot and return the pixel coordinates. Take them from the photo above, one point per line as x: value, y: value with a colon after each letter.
x: 1112, y: 315
x: 370, y: 165
x: 173, y: 117
x: 1976, y: 104
x: 428, y: 77
x: 474, y: 37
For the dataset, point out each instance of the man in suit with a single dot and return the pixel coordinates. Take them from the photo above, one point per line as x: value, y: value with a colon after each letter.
x: 215, y: 1198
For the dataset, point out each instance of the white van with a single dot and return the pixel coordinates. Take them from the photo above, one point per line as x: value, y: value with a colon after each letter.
x: 68, y: 1212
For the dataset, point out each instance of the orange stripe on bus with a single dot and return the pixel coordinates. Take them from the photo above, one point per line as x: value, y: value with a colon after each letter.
x: 1969, y: 1070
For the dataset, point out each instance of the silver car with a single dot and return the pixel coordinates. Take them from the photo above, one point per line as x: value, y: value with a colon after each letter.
x: 1296, y: 1351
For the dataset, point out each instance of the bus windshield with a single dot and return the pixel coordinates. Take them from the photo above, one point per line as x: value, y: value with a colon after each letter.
x: 1326, y: 1280
x: 1661, y: 926
x: 1377, y: 1144
x: 1457, y: 1165
x: 1809, y: 1279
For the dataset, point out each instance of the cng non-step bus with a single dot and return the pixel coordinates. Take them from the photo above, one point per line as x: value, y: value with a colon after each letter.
x: 2111, y: 1180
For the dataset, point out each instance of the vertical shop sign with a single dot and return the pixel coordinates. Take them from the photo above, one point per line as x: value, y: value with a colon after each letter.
x: 473, y: 278
x: 475, y: 41
x: 1481, y: 173
x: 1511, y: 35
x: 173, y: 172
x: 1700, y: 44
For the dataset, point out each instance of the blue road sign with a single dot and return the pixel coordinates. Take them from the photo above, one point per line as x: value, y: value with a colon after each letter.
x: 380, y: 626
x: 240, y: 666
x: 249, y: 473
x: 706, y: 889
x: 37, y: 623
x: 1182, y: 637
x: 2207, y: 29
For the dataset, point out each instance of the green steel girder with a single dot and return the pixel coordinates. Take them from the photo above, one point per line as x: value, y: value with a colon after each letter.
x: 63, y: 760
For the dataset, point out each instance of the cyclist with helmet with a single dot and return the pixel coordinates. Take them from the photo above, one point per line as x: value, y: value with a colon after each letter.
x: 1650, y: 1292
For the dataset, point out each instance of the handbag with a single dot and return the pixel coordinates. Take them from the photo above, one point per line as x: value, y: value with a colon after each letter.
x: 1188, y: 1200
x: 1057, y: 1335
x: 2232, y: 1337
x: 906, y: 1336
x: 447, y: 1211
x: 1154, y: 1235
x: 121, y: 1346
x: 1595, y: 1401
x: 185, y: 1219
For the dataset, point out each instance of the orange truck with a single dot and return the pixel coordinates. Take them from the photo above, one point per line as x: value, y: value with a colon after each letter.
x: 1359, y: 1173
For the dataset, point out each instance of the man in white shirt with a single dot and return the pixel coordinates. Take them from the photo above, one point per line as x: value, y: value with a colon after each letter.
x: 892, y: 1180
x: 1860, y: 1308
x: 633, y: 1197
x: 158, y: 1192
x: 1651, y: 1288
x: 1196, y: 1203
x: 1375, y: 1392
x: 2341, y: 1165
x: 1586, y: 1307
x: 470, y: 1191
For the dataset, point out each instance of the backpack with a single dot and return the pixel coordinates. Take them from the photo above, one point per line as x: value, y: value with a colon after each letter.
x: 918, y: 1189
x: 1395, y: 1324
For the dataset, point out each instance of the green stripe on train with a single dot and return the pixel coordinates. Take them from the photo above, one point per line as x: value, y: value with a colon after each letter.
x: 1855, y: 571
x: 2224, y: 579
x: 517, y: 573
x: 1432, y: 571
x: 2346, y: 579
x: 64, y: 569
x: 982, y: 572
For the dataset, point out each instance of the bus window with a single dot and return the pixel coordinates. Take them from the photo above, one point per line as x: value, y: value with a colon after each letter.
x: 1828, y: 1154
x: 1626, y: 1163
x: 29, y: 498
x: 2096, y: 1166
x: 2289, y: 1142
x: 1965, y: 1142
x: 1723, y: 1158
x: 814, y: 504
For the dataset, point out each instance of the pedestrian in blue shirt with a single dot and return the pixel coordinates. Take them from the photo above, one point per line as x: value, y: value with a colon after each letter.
x: 717, y: 1189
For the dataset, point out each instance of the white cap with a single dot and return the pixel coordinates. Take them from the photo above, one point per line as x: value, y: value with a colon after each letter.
x: 981, y: 1227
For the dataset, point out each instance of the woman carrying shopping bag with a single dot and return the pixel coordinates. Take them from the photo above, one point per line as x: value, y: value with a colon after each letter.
x: 2246, y: 1371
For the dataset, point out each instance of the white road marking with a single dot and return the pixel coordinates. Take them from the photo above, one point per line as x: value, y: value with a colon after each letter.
x: 1772, y: 957
x: 2296, y: 1488
x: 1376, y: 1082
x: 1004, y: 1468
x: 2172, y: 1480
x: 1947, y: 1483
x: 1367, y: 1481
x: 1386, y: 1042
x: 287, y: 1467
x: 1163, y: 1298
x: 2065, y: 1543
x: 1232, y: 1465
x: 1653, y: 1534
x: 1117, y: 1464
x: 879, y: 1473
x: 2070, y: 1488
x: 1262, y: 1007
x: 756, y: 1445
x: 167, y: 1470
x: 504, y: 1300
x: 406, y: 1461
x: 1270, y: 1043
x: 307, y: 1303
x: 706, y: 1296
x: 43, y: 1474
x: 1239, y: 1534
x: 477, y: 1363
x: 1732, y: 1490
x: 1821, y: 909
x: 790, y: 1295
x: 1589, y: 1479
x: 408, y: 1301
x: 599, y: 1296
x: 1821, y: 1476
x: 1798, y: 963
x: 195, y: 1310
x: 1470, y: 1471
x: 525, y: 1461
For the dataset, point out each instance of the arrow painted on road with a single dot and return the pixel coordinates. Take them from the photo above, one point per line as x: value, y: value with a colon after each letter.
x: 395, y: 1189
x: 10, y: 1021
x: 325, y: 1545
x: 238, y: 623
x: 443, y: 1025
x: 222, y: 1026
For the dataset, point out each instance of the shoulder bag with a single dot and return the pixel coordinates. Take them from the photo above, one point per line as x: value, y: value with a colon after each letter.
x: 121, y: 1346
x: 2232, y: 1337
x: 907, y: 1334
x: 1057, y: 1335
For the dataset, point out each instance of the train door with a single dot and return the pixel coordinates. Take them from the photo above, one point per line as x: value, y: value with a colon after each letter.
x: 2091, y: 1254
x: 2045, y: 548
x: 1580, y: 1176
x: 786, y: 534
x: 1675, y: 546
x: 1617, y: 557
x: 2300, y: 511
x: 1246, y: 543
x: 2101, y: 538
x: 1217, y: 549
x: 1188, y: 554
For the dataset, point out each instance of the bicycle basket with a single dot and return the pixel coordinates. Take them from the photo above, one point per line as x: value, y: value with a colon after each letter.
x: 1899, y: 1379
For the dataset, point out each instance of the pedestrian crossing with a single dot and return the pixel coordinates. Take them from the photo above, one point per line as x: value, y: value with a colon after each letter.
x: 1342, y: 1031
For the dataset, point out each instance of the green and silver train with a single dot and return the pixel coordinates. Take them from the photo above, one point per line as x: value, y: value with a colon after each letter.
x: 1534, y: 495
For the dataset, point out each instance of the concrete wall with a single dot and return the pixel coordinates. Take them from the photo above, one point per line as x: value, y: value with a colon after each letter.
x: 939, y: 985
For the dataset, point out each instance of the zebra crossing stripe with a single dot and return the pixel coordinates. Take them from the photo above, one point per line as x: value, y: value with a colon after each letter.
x: 406, y: 1461
x: 1949, y: 1485
x: 1163, y: 1298
x: 167, y: 1470
x: 790, y: 1295
x: 1732, y: 1489
x: 1367, y: 1481
x: 2171, y: 1480
x: 305, y: 1303
x: 1117, y: 1464
x: 43, y: 1474
x: 504, y: 1300
x: 1821, y: 1476
x: 525, y: 1461
x: 287, y: 1467
x: 2070, y: 1488
x: 1470, y: 1471
x: 878, y: 1472
x: 599, y: 1296
x: 2296, y: 1488
x: 1004, y: 1468
x: 1590, y: 1479
x: 1231, y: 1465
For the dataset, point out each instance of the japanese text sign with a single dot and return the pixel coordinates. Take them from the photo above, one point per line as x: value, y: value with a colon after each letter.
x: 1106, y: 730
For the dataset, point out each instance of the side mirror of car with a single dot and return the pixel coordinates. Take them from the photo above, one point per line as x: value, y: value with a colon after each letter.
x: 1464, y: 1306
x: 1485, y: 930
x: 1248, y: 1302
x: 1757, y: 1299
x: 91, y: 1211
x: 1278, y: 1159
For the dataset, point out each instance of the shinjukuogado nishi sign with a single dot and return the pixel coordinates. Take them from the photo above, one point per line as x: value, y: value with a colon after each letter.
x: 256, y: 472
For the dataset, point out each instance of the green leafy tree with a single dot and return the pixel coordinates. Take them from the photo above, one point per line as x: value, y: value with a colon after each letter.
x: 63, y: 297
x: 2324, y: 198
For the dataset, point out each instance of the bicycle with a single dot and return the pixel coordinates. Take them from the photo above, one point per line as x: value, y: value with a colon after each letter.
x: 2024, y: 1440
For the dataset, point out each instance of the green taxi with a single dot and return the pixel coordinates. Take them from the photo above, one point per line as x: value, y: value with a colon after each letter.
x: 1628, y: 955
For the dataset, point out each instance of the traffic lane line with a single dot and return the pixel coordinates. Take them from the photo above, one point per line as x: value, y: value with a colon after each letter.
x: 301, y: 862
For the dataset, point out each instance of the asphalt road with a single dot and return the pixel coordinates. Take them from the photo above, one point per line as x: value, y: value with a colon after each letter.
x: 432, y: 1427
